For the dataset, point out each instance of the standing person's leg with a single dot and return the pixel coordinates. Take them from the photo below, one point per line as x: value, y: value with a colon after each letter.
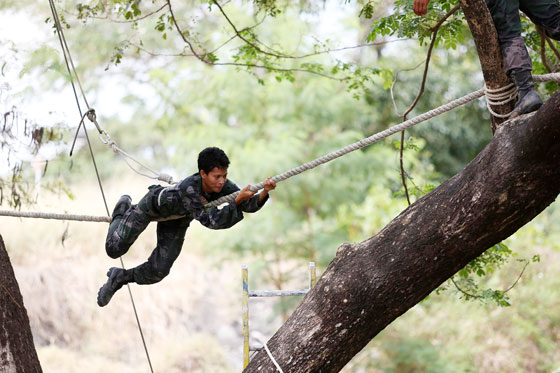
x: 505, y: 14
x: 544, y: 13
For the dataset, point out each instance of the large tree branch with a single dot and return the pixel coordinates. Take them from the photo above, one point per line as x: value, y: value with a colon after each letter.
x: 370, y: 284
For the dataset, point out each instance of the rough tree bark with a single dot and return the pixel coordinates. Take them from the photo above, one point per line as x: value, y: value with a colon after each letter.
x: 17, y: 351
x: 489, y: 51
x: 369, y: 284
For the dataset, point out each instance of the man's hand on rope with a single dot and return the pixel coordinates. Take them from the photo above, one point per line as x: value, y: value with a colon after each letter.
x: 246, y: 193
x: 268, y: 186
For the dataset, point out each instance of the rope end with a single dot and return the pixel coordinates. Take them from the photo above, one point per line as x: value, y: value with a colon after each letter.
x: 165, y: 178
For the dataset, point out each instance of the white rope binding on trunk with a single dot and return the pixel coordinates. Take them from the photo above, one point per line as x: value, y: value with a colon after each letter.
x: 500, y: 96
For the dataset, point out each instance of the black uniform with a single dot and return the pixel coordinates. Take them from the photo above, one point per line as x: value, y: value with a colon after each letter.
x: 181, y: 204
x: 505, y: 13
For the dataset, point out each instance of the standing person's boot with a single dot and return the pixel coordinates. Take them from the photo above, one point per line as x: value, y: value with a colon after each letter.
x: 117, y: 278
x: 529, y: 100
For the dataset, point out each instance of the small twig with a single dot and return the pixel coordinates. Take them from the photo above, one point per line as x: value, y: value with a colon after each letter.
x: 414, y: 184
x: 208, y: 62
x: 401, y: 164
x: 395, y: 80
x: 178, y: 28
x: 464, y: 292
x: 435, y: 30
x: 505, y: 291
x: 274, y: 54
x: 117, y: 20
x: 143, y: 17
x: 518, y: 277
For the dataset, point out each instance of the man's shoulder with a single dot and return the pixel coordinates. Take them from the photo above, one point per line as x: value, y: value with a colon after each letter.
x: 191, y: 184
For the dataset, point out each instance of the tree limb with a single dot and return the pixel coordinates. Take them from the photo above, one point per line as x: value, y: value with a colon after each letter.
x: 370, y: 284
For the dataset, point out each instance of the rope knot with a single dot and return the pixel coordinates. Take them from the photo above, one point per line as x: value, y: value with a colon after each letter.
x: 114, y: 146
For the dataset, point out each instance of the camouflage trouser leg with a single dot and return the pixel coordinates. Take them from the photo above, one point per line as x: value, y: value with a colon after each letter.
x: 544, y: 13
x: 124, y: 231
x: 505, y: 14
x: 170, y: 237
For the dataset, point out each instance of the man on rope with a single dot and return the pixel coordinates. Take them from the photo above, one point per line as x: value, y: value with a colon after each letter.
x: 174, y: 208
x: 505, y: 14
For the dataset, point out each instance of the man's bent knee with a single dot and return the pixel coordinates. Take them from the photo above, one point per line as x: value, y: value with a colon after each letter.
x: 115, y: 247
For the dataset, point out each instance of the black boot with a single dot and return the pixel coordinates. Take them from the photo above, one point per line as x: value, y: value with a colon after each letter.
x: 117, y: 278
x: 122, y: 206
x: 529, y: 100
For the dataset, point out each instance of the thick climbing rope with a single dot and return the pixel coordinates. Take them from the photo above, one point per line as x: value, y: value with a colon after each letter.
x: 378, y: 136
x: 326, y: 158
x: 91, y: 114
x: 45, y: 215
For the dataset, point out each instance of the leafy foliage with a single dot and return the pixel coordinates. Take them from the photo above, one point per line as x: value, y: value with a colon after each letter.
x: 279, y: 92
x: 305, y: 100
x: 403, y: 23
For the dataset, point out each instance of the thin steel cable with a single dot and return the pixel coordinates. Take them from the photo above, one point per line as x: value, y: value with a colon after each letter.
x: 66, y: 50
x: 68, y: 57
x: 96, y: 171
x: 70, y: 75
x: 122, y: 262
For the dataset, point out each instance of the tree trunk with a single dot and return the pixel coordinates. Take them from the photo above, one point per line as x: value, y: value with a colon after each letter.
x: 370, y: 284
x: 489, y: 52
x: 17, y: 352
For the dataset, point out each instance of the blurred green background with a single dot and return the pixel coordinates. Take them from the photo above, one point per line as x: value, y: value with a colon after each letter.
x: 296, y: 81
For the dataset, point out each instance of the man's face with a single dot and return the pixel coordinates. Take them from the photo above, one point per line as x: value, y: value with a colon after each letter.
x: 214, y: 181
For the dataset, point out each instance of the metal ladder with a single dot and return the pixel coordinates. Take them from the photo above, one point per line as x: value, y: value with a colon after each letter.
x: 247, y: 348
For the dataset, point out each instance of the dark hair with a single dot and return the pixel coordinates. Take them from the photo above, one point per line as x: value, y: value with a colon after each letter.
x: 212, y: 157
